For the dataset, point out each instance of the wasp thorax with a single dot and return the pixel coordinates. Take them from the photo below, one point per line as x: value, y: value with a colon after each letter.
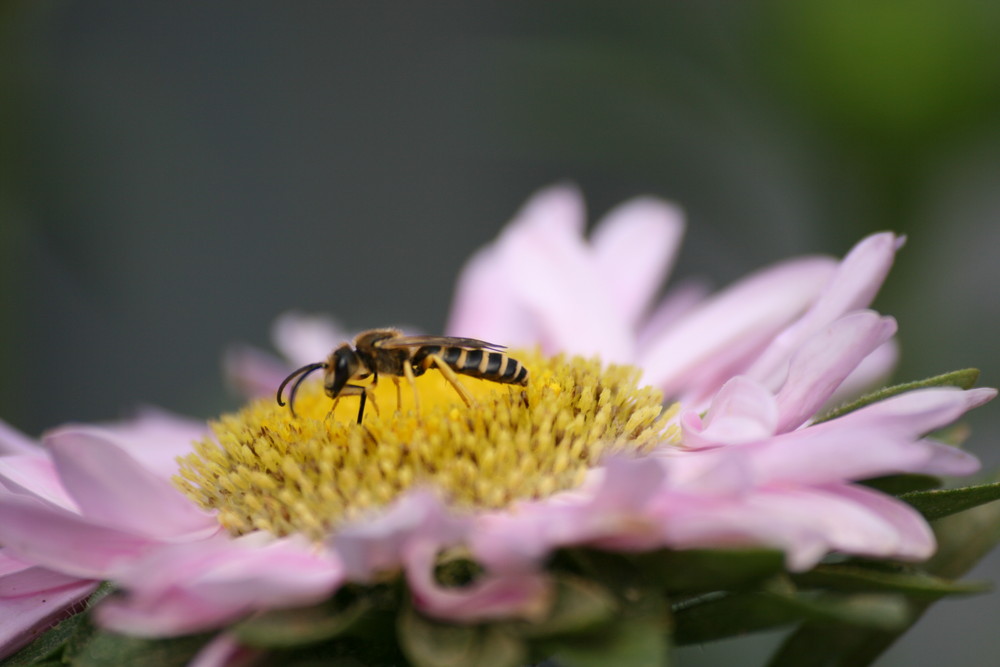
x: 267, y: 469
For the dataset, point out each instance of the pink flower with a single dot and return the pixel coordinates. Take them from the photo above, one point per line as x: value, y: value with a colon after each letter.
x: 409, y: 536
x: 32, y: 599
x: 190, y: 587
x: 74, y: 511
x: 789, y: 490
x: 752, y: 367
x: 542, y: 283
x: 753, y: 364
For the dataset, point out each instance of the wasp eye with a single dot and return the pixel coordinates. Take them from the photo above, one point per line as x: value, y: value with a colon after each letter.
x: 344, y: 362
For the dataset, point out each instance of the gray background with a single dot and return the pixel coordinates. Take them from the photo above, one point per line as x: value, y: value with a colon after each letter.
x: 173, y: 176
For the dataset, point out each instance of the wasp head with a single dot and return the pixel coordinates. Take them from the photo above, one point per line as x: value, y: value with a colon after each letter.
x: 343, y: 365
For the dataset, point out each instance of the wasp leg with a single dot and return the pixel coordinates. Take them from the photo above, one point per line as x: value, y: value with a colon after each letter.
x: 451, y: 377
x: 333, y: 406
x: 365, y: 392
x: 361, y: 406
x: 369, y: 394
x: 399, y: 395
x: 408, y: 372
x: 523, y: 392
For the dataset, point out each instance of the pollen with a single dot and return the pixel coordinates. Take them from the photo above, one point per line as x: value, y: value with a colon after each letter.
x: 265, y: 469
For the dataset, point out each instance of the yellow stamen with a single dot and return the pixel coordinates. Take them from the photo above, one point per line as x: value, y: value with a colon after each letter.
x: 267, y: 470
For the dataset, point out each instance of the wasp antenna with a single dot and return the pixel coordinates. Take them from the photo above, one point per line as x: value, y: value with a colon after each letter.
x: 301, y: 373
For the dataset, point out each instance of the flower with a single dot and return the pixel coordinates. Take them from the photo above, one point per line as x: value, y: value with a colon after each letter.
x: 75, y: 508
x: 198, y: 527
x: 542, y: 283
x: 51, y: 499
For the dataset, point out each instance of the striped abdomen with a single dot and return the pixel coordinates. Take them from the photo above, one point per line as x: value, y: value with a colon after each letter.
x: 477, y: 363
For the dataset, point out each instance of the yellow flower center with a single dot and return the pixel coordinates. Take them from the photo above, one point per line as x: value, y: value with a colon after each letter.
x: 268, y: 470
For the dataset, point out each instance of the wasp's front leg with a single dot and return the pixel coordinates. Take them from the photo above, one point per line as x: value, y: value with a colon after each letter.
x: 365, y: 393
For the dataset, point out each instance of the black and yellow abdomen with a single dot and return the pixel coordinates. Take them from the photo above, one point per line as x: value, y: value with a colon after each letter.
x: 477, y: 363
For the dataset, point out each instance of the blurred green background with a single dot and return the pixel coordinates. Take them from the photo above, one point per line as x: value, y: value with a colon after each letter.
x: 174, y: 175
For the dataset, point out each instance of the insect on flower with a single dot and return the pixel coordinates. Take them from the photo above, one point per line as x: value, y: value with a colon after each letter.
x: 389, y: 352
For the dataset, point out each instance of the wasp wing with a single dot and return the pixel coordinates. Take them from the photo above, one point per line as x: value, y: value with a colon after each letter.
x: 444, y: 341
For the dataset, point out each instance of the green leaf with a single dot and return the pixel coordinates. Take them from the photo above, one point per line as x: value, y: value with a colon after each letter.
x: 615, y: 571
x: 428, y: 643
x: 284, y: 628
x: 938, y: 503
x: 108, y: 649
x: 896, y: 485
x: 963, y: 539
x: 580, y: 606
x: 639, y: 637
x: 883, y: 612
x: 702, y: 570
x: 59, y: 641
x: 721, y: 616
x: 826, y: 645
x: 46, y: 647
x: 857, y: 578
x: 964, y: 379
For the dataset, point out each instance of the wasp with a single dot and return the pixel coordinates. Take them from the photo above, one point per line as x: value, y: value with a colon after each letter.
x: 389, y: 352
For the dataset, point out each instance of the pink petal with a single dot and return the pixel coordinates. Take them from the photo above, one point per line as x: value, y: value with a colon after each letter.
x: 282, y: 574
x: 805, y: 522
x: 487, y: 306
x: 879, y: 439
x: 507, y: 595
x: 156, y: 437
x: 850, y: 522
x: 696, y: 522
x: 524, y: 289
x: 520, y: 539
x: 854, y: 454
x: 40, y: 533
x: 743, y: 411
x: 190, y: 587
x: 711, y: 471
x: 34, y: 475
x: 176, y: 612
x: 724, y: 331
x: 680, y: 300
x: 914, y: 413
x: 915, y: 539
x: 611, y: 515
x: 251, y: 372
x: 558, y: 208
x: 825, y: 360
x: 24, y: 619
x: 550, y: 271
x: 33, y: 581
x: 370, y: 547
x: 634, y: 246
x: 10, y: 565
x: 303, y: 339
x: 13, y: 441
x: 112, y: 489
x: 947, y: 460
x: 874, y: 371
x: 853, y: 286
x: 628, y: 484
